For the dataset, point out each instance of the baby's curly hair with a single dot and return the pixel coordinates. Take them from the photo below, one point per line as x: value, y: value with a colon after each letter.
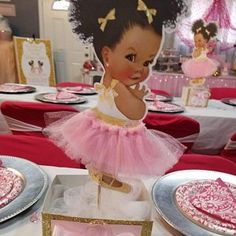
x: 84, y: 16
x: 208, y: 31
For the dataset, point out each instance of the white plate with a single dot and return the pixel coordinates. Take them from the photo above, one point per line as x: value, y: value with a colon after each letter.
x: 163, y: 195
x: 36, y: 183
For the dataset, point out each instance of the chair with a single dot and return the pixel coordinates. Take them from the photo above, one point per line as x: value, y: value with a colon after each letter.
x: 204, y: 162
x: 38, y: 150
x: 183, y: 128
x: 29, y: 118
x: 222, y: 92
x: 72, y: 84
x: 229, y: 151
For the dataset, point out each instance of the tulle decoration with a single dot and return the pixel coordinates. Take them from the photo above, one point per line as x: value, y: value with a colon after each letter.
x: 218, y: 13
x: 195, y: 68
x: 121, y: 151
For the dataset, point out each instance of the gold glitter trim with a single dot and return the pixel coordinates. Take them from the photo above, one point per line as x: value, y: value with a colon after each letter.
x: 18, y: 46
x: 47, y: 218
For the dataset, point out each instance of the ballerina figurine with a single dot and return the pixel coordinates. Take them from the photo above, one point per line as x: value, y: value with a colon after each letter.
x: 110, y: 139
x: 200, y: 65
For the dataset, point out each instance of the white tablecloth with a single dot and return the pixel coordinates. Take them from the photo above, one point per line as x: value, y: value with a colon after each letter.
x: 29, y: 97
x: 217, y: 121
x: 173, y: 82
x: 22, y: 226
x: 217, y: 124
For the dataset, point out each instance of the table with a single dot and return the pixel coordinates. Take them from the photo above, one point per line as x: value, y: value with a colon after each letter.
x: 217, y: 124
x: 217, y: 121
x: 29, y: 97
x: 174, y: 82
x: 21, y: 225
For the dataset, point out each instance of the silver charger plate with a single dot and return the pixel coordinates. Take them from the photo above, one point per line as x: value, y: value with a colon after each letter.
x: 36, y: 183
x: 229, y: 101
x: 175, y: 109
x: 41, y: 97
x: 158, y: 97
x: 163, y: 196
x: 12, y: 88
x: 83, y: 91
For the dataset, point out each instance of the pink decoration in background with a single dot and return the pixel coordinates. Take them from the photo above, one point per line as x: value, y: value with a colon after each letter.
x: 218, y: 13
x: 184, y: 40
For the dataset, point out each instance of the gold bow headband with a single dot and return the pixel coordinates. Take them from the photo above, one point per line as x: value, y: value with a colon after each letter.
x: 103, y: 21
x: 198, y: 29
x: 207, y: 31
x: 149, y: 12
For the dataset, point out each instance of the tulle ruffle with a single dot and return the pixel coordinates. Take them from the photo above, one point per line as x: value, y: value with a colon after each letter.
x: 121, y: 151
x: 195, y: 68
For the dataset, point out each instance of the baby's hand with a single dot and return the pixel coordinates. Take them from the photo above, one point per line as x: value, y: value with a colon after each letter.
x: 139, y: 93
x: 197, y: 52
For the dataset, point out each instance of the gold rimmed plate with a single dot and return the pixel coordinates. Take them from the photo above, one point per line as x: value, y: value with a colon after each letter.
x: 51, y: 98
x: 35, y: 184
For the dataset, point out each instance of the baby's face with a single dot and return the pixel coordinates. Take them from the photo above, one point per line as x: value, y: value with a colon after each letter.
x: 199, y: 41
x: 130, y: 60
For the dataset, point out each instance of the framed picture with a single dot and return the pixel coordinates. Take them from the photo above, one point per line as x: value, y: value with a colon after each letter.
x: 57, y: 225
x: 34, y: 60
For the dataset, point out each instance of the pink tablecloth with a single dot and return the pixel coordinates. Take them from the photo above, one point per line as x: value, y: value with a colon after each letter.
x: 173, y: 83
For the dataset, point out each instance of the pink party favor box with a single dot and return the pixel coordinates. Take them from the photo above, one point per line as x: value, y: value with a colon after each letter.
x: 65, y: 192
x: 195, y: 96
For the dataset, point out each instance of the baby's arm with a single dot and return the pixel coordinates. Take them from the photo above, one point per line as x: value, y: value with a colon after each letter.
x: 130, y: 101
x: 196, y: 52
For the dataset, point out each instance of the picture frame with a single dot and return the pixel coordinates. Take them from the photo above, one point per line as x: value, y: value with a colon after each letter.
x: 34, y: 61
x: 55, y: 225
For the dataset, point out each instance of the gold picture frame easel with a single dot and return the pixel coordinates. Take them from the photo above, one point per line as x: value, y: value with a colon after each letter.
x: 34, y: 60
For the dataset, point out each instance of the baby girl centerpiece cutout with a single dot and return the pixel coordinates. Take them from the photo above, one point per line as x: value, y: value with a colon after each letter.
x: 110, y: 139
x: 200, y: 65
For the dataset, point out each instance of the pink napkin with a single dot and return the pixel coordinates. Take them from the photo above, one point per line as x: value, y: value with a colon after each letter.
x: 216, y: 201
x: 164, y: 105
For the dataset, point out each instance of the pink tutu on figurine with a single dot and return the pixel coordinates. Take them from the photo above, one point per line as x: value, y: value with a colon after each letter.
x: 110, y: 139
x: 202, y: 66
x: 115, y: 144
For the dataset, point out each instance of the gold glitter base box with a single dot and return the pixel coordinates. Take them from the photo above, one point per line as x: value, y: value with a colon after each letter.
x: 54, y: 224
x: 195, y: 96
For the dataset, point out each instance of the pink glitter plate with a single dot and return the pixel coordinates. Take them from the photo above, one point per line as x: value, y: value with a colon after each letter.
x: 210, y: 204
x: 11, y: 185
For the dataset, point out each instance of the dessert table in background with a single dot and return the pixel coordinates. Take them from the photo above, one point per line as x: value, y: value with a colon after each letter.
x: 217, y: 121
x: 174, y: 82
x: 21, y: 224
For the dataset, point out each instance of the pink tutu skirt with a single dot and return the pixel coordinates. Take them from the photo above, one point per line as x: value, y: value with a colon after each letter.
x: 120, y: 151
x: 197, y: 68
